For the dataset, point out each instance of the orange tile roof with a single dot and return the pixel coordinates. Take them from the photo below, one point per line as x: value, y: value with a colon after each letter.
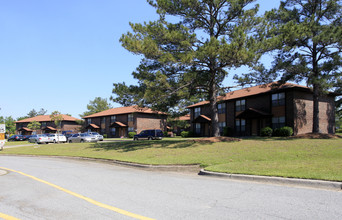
x: 93, y: 126
x: 51, y: 128
x: 251, y: 91
x: 25, y: 128
x: 184, y: 118
x: 41, y: 118
x: 124, y: 110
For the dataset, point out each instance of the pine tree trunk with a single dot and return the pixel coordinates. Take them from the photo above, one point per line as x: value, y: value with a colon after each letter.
x: 215, y: 131
x: 315, y: 119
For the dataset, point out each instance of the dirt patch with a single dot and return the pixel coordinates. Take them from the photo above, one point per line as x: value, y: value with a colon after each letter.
x: 216, y: 139
x: 317, y: 136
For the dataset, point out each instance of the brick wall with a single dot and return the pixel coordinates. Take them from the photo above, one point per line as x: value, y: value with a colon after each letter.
x: 303, y: 113
x: 150, y: 121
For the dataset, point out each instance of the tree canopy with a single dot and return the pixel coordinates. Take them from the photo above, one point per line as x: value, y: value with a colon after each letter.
x: 305, y: 36
x: 97, y: 105
x: 188, y: 59
x: 34, y: 125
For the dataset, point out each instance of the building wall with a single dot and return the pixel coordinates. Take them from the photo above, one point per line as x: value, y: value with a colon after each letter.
x: 150, y: 121
x: 303, y: 113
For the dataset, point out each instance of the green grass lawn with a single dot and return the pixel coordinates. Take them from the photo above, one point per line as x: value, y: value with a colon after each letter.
x: 12, y: 143
x: 299, y: 158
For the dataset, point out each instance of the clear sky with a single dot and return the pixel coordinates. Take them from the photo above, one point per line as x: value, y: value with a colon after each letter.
x: 60, y: 54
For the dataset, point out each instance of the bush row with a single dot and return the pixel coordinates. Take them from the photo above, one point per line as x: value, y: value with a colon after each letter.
x: 278, y: 132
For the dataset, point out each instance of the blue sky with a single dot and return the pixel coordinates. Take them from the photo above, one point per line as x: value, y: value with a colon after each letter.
x: 60, y: 54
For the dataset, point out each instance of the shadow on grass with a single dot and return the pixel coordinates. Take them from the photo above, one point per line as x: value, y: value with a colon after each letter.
x: 127, y: 146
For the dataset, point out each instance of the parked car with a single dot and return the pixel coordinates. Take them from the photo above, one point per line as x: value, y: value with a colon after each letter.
x: 68, y: 135
x: 26, y: 137
x: 39, y: 139
x: 97, y: 135
x: 54, y: 138
x: 149, y: 135
x: 16, y: 137
x: 84, y: 137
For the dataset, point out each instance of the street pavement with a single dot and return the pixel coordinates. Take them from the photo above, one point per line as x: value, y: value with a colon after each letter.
x: 55, y: 188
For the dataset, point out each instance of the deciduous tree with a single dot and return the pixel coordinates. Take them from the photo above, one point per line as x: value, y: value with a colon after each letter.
x: 97, y: 105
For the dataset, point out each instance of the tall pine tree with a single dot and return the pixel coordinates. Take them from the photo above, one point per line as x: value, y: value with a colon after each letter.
x: 191, y: 56
x: 306, y: 38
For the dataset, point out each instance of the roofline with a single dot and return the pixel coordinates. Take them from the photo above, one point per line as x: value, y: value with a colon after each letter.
x: 156, y: 113
x: 298, y: 87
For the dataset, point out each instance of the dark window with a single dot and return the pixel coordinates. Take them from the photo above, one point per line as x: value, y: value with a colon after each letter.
x: 130, y: 117
x: 240, y: 125
x: 222, y: 125
x: 43, y: 124
x: 240, y: 105
x: 197, y: 112
x: 89, y: 120
x: 198, y: 128
x: 103, y: 120
x: 221, y: 108
x: 112, y: 118
x: 278, y: 99
x: 278, y: 122
x: 113, y: 131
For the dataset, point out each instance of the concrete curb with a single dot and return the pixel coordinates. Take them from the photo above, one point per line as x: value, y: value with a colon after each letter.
x: 320, y: 184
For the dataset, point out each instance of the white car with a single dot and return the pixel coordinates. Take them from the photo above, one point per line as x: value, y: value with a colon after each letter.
x: 54, y: 138
x: 97, y: 135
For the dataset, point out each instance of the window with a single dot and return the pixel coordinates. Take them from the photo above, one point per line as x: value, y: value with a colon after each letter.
x: 112, y: 118
x: 113, y: 131
x: 222, y: 125
x: 240, y: 125
x: 278, y: 122
x: 130, y: 117
x: 221, y: 108
x: 197, y: 112
x: 103, y: 121
x: 130, y: 129
x: 89, y: 120
x: 240, y: 105
x: 43, y: 124
x: 278, y: 99
x: 198, y: 128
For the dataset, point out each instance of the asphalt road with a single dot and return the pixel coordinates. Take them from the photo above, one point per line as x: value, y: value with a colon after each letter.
x: 52, y: 188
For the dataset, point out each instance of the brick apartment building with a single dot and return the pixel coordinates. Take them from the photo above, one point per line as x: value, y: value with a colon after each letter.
x: 47, y: 126
x: 118, y: 122
x: 247, y: 111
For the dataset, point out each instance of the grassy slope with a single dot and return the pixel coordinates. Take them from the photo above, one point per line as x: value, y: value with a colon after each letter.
x: 303, y: 158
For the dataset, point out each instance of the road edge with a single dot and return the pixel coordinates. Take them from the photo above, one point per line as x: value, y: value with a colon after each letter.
x: 320, y: 184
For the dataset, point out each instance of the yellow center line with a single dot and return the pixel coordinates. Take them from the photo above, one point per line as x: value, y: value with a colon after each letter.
x: 112, y: 208
x: 7, y: 217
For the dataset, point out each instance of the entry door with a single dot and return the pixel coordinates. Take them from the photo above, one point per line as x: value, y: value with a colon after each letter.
x: 254, y: 127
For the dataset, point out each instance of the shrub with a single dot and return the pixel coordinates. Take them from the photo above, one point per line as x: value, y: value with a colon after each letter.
x: 339, y: 130
x: 228, y: 131
x: 283, y: 132
x: 165, y: 133
x: 184, y: 134
x: 104, y: 135
x: 131, y: 134
x: 266, y: 132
